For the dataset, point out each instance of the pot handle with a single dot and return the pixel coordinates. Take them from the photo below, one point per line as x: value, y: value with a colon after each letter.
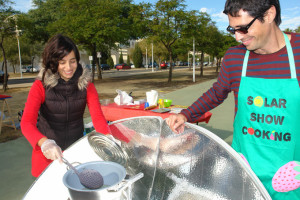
x: 127, y: 182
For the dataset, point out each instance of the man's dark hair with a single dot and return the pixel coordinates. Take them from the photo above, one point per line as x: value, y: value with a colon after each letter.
x: 255, y: 8
x: 55, y: 50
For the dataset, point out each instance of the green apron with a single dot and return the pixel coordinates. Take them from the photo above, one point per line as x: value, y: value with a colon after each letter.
x: 267, y: 124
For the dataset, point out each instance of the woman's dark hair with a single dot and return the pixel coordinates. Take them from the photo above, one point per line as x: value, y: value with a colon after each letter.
x: 55, y: 50
x: 255, y: 8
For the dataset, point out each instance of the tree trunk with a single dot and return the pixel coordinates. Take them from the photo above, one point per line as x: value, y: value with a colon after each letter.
x: 96, y: 62
x: 32, y: 64
x: 98, y: 69
x: 93, y: 66
x: 94, y: 54
x: 14, y: 68
x: 218, y: 64
x: 5, y: 67
x: 171, y: 66
x: 213, y: 61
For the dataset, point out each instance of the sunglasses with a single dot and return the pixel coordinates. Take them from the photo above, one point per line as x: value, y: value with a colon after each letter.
x: 243, y: 29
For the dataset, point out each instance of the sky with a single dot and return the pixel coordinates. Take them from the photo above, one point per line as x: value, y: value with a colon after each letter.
x: 290, y: 10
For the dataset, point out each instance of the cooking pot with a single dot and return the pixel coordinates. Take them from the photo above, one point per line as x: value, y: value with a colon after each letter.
x: 113, y: 174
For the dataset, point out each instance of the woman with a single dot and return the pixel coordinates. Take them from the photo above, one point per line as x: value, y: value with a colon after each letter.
x: 60, y: 94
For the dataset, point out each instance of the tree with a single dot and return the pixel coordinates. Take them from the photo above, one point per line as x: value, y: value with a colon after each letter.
x: 7, y: 28
x: 297, y: 30
x: 37, y: 23
x: 128, y: 60
x: 139, y: 20
x: 137, y: 56
x: 181, y: 49
x: 97, y: 25
x: 121, y: 60
x: 203, y: 27
x: 227, y: 42
x: 110, y: 62
x: 30, y: 50
x: 11, y: 51
x: 216, y: 47
x: 288, y: 30
x: 167, y: 24
x: 159, y: 51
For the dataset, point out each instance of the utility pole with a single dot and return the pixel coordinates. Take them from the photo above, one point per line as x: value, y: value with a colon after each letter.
x: 189, y: 59
x: 152, y: 58
x: 99, y: 56
x: 14, y: 17
x: 17, y: 35
x: 146, y: 58
x: 194, y: 80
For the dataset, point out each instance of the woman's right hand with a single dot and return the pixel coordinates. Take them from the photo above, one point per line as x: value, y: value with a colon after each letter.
x: 51, y: 150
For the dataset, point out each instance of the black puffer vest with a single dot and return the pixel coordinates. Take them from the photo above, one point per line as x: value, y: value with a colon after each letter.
x: 61, y: 115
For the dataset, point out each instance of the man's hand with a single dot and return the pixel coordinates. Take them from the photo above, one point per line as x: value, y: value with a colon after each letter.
x: 176, y: 122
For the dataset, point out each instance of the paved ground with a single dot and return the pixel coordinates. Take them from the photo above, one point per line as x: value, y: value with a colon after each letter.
x: 15, y: 155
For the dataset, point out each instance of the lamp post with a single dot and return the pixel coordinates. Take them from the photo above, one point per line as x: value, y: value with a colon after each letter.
x: 146, y: 58
x: 189, y: 58
x: 194, y: 79
x: 17, y: 35
x: 152, y: 57
x: 99, y: 56
x: 14, y: 17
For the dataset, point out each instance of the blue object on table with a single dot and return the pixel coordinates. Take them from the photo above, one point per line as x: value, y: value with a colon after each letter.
x: 146, y: 105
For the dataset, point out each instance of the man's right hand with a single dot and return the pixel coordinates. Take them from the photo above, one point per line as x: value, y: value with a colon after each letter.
x: 176, y: 122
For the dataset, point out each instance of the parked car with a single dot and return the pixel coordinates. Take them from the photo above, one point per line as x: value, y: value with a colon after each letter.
x: 180, y: 63
x: 163, y: 65
x: 123, y: 66
x: 154, y: 64
x: 27, y: 69
x: 173, y: 64
x: 105, y: 67
x: 115, y: 67
x: 133, y: 66
x: 2, y: 76
x: 88, y: 67
x: 24, y: 69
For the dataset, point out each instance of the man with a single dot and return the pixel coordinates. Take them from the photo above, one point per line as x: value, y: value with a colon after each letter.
x: 264, y: 74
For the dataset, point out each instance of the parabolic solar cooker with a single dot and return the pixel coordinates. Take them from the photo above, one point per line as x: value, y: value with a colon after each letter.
x: 194, y: 165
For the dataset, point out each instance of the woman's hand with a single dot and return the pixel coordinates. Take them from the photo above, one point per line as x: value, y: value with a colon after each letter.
x: 51, y: 150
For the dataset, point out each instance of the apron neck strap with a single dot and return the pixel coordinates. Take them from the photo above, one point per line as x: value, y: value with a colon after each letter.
x: 290, y: 56
x: 245, y: 63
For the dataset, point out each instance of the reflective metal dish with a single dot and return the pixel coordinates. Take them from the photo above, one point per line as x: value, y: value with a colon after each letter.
x: 193, y: 165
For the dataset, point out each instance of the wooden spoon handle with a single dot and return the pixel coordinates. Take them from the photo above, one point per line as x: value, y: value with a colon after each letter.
x: 150, y: 107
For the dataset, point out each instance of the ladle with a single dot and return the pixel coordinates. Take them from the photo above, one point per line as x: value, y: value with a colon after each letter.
x: 89, y: 178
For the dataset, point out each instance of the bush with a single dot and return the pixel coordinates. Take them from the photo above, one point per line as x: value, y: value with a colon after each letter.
x: 128, y: 60
x: 110, y: 62
x: 137, y: 56
x: 121, y: 58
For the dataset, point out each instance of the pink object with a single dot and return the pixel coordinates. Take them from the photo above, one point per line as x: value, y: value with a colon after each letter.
x: 287, y: 178
x: 244, y: 158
